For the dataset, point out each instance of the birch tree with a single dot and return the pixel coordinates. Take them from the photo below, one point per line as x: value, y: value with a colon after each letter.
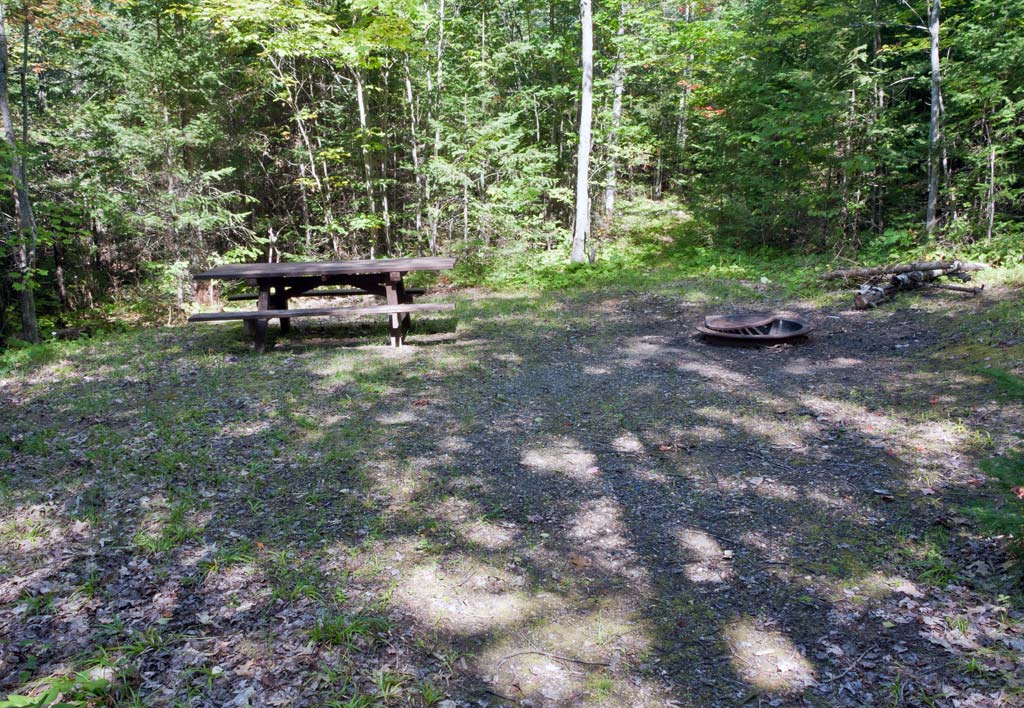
x: 581, y: 231
x: 934, y: 126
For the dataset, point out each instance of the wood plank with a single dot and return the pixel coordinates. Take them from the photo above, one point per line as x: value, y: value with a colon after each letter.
x: 260, y: 325
x: 320, y: 293
x: 393, y: 292
x: 239, y: 271
x: 323, y: 312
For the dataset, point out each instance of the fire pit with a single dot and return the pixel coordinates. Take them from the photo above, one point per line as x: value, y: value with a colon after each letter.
x: 753, y: 327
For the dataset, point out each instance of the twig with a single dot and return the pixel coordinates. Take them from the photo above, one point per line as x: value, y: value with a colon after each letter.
x: 552, y: 656
x: 852, y: 666
x: 495, y: 693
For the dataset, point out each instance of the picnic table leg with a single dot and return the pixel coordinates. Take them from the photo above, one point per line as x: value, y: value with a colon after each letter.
x: 260, y: 326
x: 405, y: 298
x: 280, y: 302
x: 394, y: 291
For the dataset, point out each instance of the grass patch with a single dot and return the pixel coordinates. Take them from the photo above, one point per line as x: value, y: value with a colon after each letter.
x: 1010, y: 385
x: 649, y: 244
x: 1002, y: 512
x: 347, y: 630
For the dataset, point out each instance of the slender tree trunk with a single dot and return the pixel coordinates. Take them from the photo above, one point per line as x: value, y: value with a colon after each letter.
x: 934, y: 127
x: 465, y: 178
x: 438, y: 84
x: 25, y: 250
x: 367, y: 166
x: 58, y: 268
x: 581, y: 231
x: 618, y: 87
x: 384, y: 162
x: 414, y: 144
x: 991, y: 206
x: 684, y: 95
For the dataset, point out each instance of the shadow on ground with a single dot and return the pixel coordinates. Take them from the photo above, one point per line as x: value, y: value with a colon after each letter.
x: 572, y: 502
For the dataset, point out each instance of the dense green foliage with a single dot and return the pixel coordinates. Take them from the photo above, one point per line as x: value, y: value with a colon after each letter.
x: 167, y: 136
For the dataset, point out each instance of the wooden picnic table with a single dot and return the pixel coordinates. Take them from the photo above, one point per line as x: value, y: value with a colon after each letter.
x: 279, y: 282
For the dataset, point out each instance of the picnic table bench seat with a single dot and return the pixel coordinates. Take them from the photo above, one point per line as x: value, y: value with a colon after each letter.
x: 322, y: 312
x: 249, y: 316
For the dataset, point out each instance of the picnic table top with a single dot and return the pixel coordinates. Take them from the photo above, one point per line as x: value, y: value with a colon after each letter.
x: 236, y: 271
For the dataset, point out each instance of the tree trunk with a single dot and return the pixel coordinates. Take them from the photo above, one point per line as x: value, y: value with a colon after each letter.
x: 618, y: 83
x: 414, y: 143
x: 903, y: 268
x: 684, y: 95
x: 581, y: 231
x: 434, y: 210
x: 934, y: 128
x: 367, y: 166
x: 58, y: 268
x: 25, y: 250
x: 991, y: 206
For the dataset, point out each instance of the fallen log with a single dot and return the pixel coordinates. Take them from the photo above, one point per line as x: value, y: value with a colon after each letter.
x: 945, y: 266
x: 958, y: 288
x: 874, y: 292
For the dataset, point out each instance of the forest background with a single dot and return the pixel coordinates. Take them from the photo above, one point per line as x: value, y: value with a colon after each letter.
x: 148, y: 139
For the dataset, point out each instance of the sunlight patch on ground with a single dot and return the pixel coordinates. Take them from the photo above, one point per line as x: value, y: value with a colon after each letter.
x: 468, y: 597
x: 778, y: 431
x: 933, y: 440
x: 708, y: 561
x: 767, y: 659
x: 628, y: 442
x: 456, y: 509
x: 767, y: 543
x: 563, y: 456
x: 490, y: 535
x: 403, y: 487
x: 651, y: 476
x: 454, y: 443
x: 781, y: 491
x: 599, y: 533
x: 640, y: 351
x: 698, y: 434
x: 874, y: 586
x: 806, y: 367
x: 716, y: 373
x: 246, y: 428
x: 405, y: 417
x: 569, y: 660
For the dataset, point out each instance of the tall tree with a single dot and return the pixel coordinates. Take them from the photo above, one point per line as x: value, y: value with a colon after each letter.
x: 618, y: 88
x: 935, y: 117
x: 28, y: 235
x: 581, y: 232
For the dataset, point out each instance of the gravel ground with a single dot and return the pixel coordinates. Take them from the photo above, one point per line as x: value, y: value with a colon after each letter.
x: 569, y: 500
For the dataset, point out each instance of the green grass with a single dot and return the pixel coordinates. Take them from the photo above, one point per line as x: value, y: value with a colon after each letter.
x: 650, y: 243
x: 1009, y: 385
x: 1001, y: 511
x: 345, y: 630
